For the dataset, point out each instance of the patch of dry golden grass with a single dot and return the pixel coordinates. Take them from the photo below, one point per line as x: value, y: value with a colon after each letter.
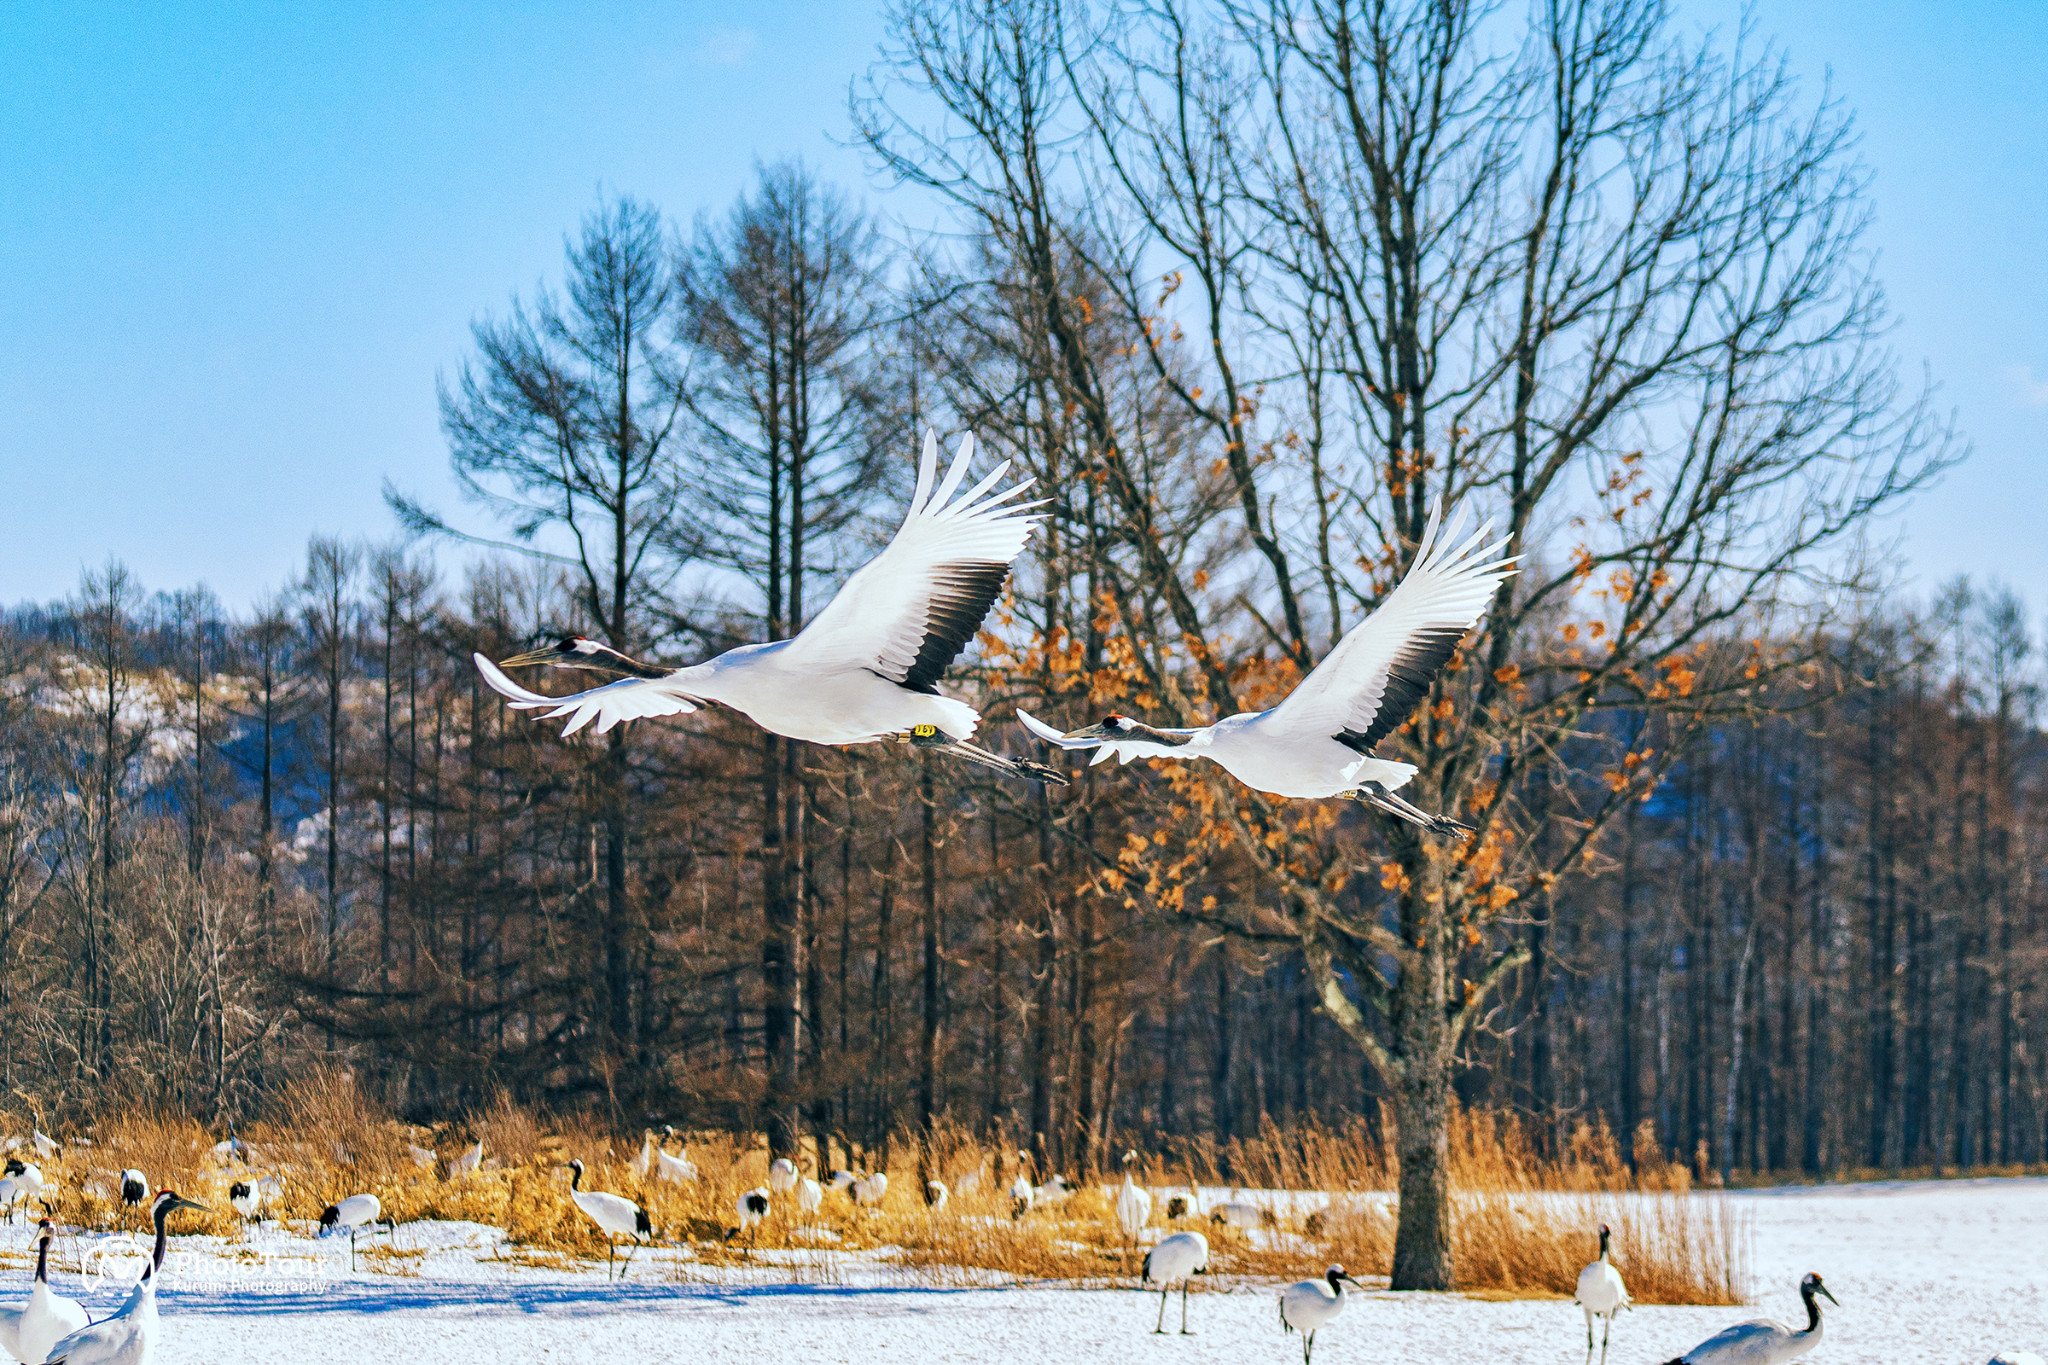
x: 1523, y: 1221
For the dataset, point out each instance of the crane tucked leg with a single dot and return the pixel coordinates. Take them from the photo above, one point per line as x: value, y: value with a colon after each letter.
x: 932, y: 737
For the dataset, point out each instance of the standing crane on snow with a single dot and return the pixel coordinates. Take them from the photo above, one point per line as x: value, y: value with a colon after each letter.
x: 1763, y: 1342
x: 1177, y: 1257
x: 1312, y: 1304
x: 1319, y: 742
x: 616, y: 1215
x: 1602, y: 1294
x: 355, y: 1213
x: 1133, y: 1205
x: 27, y: 1333
x: 127, y: 1336
x: 867, y: 668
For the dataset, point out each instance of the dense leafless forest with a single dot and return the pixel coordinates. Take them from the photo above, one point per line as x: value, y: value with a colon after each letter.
x: 1248, y: 289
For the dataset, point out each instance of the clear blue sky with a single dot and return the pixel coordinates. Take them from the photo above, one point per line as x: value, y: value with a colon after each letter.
x: 238, y: 242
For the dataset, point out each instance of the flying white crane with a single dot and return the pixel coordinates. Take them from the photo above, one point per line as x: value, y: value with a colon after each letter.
x: 1763, y: 1342
x: 867, y: 668
x: 616, y: 1215
x: 1602, y: 1294
x: 127, y: 1336
x: 677, y: 1170
x: 134, y: 1187
x: 1176, y: 1258
x: 1133, y: 1205
x: 27, y: 1333
x: 782, y: 1175
x: 1319, y: 741
x: 354, y: 1213
x: 469, y: 1162
x: 1311, y: 1304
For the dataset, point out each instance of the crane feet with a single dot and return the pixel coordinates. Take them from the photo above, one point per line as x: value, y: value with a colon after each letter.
x: 1373, y: 794
x: 932, y: 737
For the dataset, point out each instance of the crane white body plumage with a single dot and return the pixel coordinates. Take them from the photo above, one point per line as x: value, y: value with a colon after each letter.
x: 1178, y: 1257
x: 1763, y: 1341
x: 469, y: 1161
x: 809, y: 1195
x: 782, y: 1175
x: 127, y: 1336
x: 866, y: 667
x: 1601, y: 1293
x: 615, y: 1215
x: 677, y: 1169
x: 1133, y: 1205
x: 27, y: 1333
x: 1319, y: 741
x: 1310, y: 1305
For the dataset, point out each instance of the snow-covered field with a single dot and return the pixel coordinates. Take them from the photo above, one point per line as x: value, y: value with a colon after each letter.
x: 1945, y: 1272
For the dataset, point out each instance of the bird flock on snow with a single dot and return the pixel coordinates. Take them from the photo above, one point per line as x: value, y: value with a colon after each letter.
x: 51, y: 1329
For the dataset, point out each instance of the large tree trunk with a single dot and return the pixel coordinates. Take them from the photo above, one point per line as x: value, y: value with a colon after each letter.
x: 1422, y: 1099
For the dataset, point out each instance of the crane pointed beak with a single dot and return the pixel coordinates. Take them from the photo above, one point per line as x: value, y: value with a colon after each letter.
x: 1097, y: 731
x: 181, y: 1202
x: 531, y: 657
x: 1831, y: 1298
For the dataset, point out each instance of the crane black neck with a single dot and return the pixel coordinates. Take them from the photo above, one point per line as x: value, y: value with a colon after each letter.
x: 43, y: 1258
x: 1605, y: 1238
x: 156, y: 1260
x: 605, y: 659
x: 1812, y: 1307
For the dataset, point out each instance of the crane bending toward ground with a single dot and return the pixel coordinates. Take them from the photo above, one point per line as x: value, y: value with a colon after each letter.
x: 867, y: 667
x: 1319, y: 742
x: 1178, y: 1257
x: 1763, y: 1342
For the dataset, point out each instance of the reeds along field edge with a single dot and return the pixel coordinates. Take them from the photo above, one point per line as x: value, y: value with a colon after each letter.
x: 1523, y: 1220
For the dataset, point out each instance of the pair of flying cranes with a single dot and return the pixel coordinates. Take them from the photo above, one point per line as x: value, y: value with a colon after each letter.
x: 868, y: 667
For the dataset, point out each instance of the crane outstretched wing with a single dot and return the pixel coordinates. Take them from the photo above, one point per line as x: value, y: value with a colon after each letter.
x: 908, y: 611
x: 627, y: 699
x: 1371, y: 682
